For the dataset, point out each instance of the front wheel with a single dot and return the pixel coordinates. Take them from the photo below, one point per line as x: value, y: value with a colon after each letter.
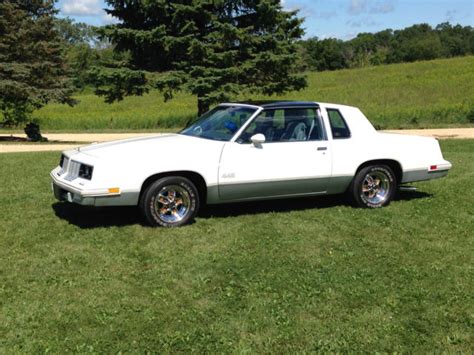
x: 172, y: 201
x: 373, y: 186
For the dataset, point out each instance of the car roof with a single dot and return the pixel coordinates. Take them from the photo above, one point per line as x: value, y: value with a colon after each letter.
x: 277, y: 104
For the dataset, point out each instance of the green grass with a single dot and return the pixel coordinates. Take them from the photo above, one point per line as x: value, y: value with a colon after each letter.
x: 273, y: 277
x: 438, y: 93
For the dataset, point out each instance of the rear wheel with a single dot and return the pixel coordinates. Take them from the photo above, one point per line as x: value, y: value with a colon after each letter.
x: 373, y: 186
x: 171, y: 201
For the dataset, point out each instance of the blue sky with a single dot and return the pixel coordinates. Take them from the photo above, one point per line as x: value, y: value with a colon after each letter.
x: 325, y: 18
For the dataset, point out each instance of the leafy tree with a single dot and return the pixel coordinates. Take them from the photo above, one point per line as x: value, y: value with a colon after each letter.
x: 214, y: 49
x: 84, y: 49
x: 418, y: 42
x: 81, y: 58
x: 456, y: 40
x: 75, y: 32
x: 32, y: 70
x: 326, y: 54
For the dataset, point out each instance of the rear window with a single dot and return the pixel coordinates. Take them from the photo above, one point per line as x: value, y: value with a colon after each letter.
x: 338, y: 124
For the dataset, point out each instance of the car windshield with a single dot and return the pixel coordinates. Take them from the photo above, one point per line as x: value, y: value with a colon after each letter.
x: 220, y: 124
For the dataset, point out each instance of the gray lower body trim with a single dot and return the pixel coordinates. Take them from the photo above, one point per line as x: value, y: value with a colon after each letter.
x: 423, y: 174
x: 213, y: 196
x: 277, y: 189
x: 231, y: 192
x: 339, y: 184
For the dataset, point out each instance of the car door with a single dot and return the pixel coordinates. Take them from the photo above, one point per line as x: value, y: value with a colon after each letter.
x: 295, y: 158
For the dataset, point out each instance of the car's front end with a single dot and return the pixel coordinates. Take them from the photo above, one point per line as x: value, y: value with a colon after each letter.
x: 84, y: 179
x: 113, y: 173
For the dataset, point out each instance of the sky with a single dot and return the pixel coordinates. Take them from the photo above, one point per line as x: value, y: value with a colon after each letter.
x: 342, y: 19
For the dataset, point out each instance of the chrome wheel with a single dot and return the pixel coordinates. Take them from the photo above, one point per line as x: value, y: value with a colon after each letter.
x: 375, y: 187
x: 172, y: 203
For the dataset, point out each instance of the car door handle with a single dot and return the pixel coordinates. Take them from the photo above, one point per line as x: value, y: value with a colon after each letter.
x: 322, y: 148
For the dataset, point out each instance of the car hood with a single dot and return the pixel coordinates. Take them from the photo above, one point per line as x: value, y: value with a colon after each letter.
x: 146, y: 147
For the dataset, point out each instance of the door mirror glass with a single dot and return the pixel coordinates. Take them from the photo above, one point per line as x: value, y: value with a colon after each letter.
x: 257, y: 139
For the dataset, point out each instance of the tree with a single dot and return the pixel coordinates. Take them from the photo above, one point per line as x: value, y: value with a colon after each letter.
x: 76, y: 32
x: 326, y: 54
x: 456, y: 40
x: 214, y: 49
x: 417, y: 42
x: 83, y: 48
x: 32, y: 70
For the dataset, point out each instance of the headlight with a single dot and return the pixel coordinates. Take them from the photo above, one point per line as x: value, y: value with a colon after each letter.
x: 85, y: 171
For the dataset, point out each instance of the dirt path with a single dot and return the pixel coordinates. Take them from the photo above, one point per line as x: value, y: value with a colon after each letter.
x: 441, y: 133
x: 79, y: 139
x: 64, y: 141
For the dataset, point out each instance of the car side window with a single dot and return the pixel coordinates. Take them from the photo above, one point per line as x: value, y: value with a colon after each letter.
x: 285, y: 125
x: 339, y: 126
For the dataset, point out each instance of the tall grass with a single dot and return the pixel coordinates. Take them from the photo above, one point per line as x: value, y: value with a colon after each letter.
x: 436, y: 93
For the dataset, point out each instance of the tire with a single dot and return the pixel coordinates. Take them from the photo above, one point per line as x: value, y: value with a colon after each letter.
x: 373, y: 186
x: 171, y: 201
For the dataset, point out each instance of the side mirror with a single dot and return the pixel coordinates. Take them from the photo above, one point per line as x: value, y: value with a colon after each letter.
x: 257, y: 139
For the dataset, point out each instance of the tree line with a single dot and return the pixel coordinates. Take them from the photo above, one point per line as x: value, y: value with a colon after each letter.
x: 417, y: 42
x: 214, y: 50
x: 86, y: 50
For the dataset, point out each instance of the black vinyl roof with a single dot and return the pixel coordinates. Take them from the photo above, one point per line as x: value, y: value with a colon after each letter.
x: 280, y: 103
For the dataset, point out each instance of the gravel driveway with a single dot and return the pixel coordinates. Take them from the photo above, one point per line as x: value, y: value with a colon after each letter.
x: 84, y: 138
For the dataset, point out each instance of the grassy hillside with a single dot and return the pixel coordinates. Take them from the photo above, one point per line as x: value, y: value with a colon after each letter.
x: 435, y: 93
x: 312, y: 275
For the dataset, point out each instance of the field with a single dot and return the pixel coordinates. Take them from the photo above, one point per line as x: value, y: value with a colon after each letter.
x: 438, y: 93
x: 273, y: 277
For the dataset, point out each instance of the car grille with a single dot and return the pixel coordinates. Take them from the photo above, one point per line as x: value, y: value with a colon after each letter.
x: 72, y: 170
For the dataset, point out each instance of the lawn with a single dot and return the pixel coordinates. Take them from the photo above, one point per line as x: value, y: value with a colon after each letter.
x: 273, y: 277
x: 437, y: 93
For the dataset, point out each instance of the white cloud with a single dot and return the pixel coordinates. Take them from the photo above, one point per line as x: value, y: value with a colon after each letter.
x: 81, y: 8
x: 382, y: 7
x: 366, y: 22
x: 327, y: 14
x: 109, y: 19
x: 357, y: 7
x: 295, y: 5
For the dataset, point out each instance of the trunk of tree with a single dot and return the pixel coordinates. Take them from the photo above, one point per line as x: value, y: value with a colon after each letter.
x: 203, y: 107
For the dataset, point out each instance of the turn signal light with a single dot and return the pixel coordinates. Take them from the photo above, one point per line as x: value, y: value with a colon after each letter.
x: 114, y: 190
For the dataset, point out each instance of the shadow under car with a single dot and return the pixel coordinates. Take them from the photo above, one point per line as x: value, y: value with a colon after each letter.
x: 98, y: 217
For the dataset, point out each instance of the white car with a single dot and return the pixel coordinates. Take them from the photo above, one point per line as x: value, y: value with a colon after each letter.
x: 248, y: 151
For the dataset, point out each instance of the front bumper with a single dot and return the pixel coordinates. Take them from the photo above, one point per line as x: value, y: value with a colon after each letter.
x: 62, y: 194
x: 71, y: 192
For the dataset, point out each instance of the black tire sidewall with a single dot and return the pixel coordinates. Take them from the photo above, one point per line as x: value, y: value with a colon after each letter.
x: 151, y: 193
x: 357, y: 193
